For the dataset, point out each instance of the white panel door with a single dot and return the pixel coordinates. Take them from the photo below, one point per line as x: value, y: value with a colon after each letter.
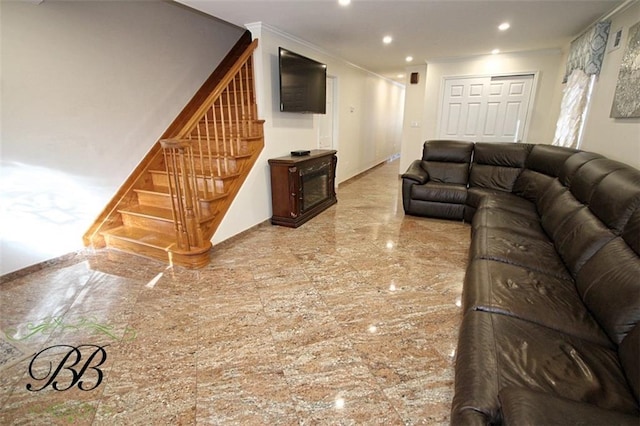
x: 463, y: 108
x: 486, y: 109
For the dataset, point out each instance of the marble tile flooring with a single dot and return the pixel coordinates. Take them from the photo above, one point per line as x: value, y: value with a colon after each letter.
x: 350, y: 319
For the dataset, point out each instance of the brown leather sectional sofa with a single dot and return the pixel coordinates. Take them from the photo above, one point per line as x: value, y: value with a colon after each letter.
x: 551, y: 296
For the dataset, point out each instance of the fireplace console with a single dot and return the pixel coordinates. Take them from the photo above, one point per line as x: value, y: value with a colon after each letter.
x: 302, y: 186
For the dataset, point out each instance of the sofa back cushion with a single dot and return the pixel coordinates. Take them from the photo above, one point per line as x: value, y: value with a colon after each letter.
x: 588, y: 177
x: 542, y: 166
x: 609, y: 286
x: 447, y: 161
x: 498, y: 165
x: 573, y: 164
x: 616, y: 197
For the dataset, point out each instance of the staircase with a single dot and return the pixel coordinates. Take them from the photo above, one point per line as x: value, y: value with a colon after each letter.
x: 171, y: 205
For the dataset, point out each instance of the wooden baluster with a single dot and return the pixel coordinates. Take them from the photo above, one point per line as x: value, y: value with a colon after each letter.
x: 224, y: 131
x: 247, y: 83
x: 202, y: 154
x: 243, y: 117
x: 229, y: 140
x: 193, y: 231
x: 183, y: 240
x: 236, y: 135
x: 216, y: 105
x: 168, y: 154
x: 207, y: 152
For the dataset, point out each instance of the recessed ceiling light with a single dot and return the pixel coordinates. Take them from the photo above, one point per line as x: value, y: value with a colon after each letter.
x: 495, y: 51
x: 344, y: 2
x: 504, y: 26
x: 400, y: 76
x: 409, y: 58
x: 387, y: 39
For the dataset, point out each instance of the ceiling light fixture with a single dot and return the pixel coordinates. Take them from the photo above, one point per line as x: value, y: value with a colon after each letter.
x: 387, y: 39
x: 400, y: 76
x: 504, y: 26
x: 344, y: 2
x: 409, y: 58
x: 495, y: 51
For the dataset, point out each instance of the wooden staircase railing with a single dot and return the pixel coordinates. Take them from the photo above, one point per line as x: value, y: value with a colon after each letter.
x: 171, y: 206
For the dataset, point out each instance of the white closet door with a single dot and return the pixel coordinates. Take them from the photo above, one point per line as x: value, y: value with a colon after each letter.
x: 486, y: 109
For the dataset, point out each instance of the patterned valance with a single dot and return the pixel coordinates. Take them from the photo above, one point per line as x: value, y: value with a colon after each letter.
x: 587, y: 51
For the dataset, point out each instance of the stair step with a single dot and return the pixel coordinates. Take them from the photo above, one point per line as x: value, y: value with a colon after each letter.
x: 149, y: 218
x: 166, y: 195
x: 137, y: 236
x: 156, y: 213
x: 162, y: 200
x: 155, y: 245
x: 199, y: 175
x: 150, y: 212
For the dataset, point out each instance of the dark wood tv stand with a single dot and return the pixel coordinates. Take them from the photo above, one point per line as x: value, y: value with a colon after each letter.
x: 302, y: 187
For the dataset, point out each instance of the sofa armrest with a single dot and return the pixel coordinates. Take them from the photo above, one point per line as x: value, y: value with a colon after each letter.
x: 416, y: 172
x: 525, y: 407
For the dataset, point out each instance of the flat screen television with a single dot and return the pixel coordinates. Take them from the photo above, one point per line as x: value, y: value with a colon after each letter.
x: 303, y: 83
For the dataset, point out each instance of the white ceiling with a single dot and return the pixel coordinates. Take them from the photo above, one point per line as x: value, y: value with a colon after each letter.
x: 428, y: 30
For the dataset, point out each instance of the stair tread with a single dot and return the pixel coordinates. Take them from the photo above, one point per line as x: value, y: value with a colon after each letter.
x: 201, y: 197
x: 200, y: 175
x: 142, y: 236
x: 149, y: 211
x: 158, y: 213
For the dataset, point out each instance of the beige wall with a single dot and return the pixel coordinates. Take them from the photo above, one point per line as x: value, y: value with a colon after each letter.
x: 615, y: 138
x: 87, y: 89
x: 546, y: 64
x: 368, y: 124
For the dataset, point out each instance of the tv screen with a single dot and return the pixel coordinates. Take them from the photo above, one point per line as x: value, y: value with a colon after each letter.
x: 303, y: 83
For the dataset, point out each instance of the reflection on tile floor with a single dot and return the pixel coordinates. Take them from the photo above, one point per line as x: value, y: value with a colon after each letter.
x: 349, y: 319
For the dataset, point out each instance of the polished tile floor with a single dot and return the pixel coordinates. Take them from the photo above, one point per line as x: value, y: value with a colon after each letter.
x: 350, y: 319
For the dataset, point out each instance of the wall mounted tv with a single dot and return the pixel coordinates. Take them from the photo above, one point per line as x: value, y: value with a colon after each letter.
x: 303, y: 83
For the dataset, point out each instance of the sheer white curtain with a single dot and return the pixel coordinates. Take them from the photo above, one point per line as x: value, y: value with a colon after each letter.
x: 573, y: 110
x: 583, y: 66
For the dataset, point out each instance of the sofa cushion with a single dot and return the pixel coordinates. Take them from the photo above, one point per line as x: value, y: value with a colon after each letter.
x: 522, y: 406
x: 587, y: 177
x: 531, y: 185
x: 498, y: 351
x: 498, y: 218
x: 440, y: 192
x: 517, y: 248
x: 616, y: 197
x: 497, y: 165
x: 447, y: 161
x: 557, y: 206
x: 579, y: 238
x: 447, y: 151
x: 457, y: 173
x: 542, y: 166
x: 609, y: 285
x: 548, y: 159
x: 495, y: 199
x: 529, y: 295
x: 573, y: 164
